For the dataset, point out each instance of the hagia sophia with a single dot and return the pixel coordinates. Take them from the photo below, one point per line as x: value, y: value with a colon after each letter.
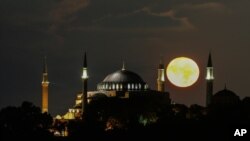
x: 126, y: 85
x: 122, y: 84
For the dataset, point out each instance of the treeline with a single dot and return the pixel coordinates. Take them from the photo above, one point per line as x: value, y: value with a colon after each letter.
x: 24, y: 122
x: 117, y: 119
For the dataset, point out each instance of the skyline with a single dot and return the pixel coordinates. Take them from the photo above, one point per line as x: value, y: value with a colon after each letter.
x: 137, y: 32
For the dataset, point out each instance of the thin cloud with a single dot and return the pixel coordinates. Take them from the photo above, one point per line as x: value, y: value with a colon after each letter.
x: 182, y: 23
x: 205, y: 6
x: 64, y: 10
x: 185, y: 24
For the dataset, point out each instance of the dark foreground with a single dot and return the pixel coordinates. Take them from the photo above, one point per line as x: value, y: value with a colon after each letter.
x: 183, y: 131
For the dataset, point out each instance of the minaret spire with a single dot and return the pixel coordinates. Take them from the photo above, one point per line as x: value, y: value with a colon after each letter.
x: 209, y: 62
x: 209, y: 79
x: 45, y: 68
x: 123, y: 65
x: 161, y: 65
x: 85, y: 60
x: 45, y: 86
x: 85, y: 86
x: 161, y: 76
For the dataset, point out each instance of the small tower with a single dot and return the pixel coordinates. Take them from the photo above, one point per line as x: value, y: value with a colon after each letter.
x: 161, y: 77
x: 85, y: 85
x: 209, y: 79
x: 45, y: 87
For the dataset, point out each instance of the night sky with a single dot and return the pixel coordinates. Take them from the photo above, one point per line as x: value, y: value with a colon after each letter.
x: 136, y: 31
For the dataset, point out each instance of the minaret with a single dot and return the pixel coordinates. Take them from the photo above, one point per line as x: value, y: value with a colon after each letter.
x: 161, y: 77
x: 45, y: 87
x: 85, y: 85
x: 209, y: 79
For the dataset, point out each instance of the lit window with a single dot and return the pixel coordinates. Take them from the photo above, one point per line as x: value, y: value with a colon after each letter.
x: 113, y: 86
x: 128, y: 86
x: 132, y: 86
x: 117, y: 86
x: 136, y: 87
x: 139, y: 86
x: 121, y: 86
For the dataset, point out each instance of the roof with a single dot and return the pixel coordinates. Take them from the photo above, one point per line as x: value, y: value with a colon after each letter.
x: 226, y: 92
x: 123, y: 76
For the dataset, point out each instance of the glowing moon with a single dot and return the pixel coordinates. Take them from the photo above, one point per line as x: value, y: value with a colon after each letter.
x: 182, y: 72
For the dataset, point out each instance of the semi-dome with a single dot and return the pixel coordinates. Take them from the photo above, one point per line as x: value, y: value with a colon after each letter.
x: 122, y: 80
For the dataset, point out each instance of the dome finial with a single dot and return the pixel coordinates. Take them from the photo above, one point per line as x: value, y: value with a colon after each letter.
x: 123, y: 65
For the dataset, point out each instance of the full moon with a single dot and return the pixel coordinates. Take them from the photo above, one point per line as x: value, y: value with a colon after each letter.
x: 182, y: 72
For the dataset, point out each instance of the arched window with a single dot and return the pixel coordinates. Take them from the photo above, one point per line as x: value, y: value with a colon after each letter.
x: 113, y: 86
x: 132, y: 86
x: 136, y: 86
x: 117, y: 86
x: 120, y: 86
x: 139, y: 86
x: 128, y: 86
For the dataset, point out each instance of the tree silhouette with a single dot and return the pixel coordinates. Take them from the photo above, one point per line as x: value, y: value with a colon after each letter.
x: 25, y: 121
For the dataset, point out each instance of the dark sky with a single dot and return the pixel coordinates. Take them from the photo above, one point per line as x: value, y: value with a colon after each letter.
x: 136, y: 31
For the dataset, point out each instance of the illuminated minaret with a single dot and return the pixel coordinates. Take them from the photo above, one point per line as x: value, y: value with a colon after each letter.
x: 209, y: 79
x: 85, y: 85
x: 161, y: 77
x: 45, y: 87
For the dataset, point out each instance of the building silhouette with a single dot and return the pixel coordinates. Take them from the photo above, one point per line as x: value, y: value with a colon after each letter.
x: 225, y: 97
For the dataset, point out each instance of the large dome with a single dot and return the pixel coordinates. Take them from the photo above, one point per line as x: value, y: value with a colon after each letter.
x: 123, y: 76
x: 122, y: 80
x: 225, y: 93
x: 225, y: 97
